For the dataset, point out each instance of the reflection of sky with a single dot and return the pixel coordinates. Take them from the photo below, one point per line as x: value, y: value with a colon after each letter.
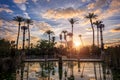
x: 88, y: 71
x: 54, y: 15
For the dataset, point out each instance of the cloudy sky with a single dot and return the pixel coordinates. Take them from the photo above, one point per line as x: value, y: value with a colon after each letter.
x: 54, y: 15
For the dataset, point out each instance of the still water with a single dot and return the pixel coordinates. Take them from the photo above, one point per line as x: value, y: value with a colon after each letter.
x: 52, y: 71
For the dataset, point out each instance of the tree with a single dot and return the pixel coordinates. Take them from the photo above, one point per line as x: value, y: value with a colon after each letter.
x: 97, y: 23
x: 19, y: 19
x: 72, y: 21
x: 64, y: 32
x: 81, y: 39
x: 28, y: 21
x: 101, y: 26
x: 49, y: 33
x: 91, y: 16
x: 24, y: 28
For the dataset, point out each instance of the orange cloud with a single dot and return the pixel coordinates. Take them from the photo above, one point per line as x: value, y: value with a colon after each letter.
x: 116, y: 30
x: 63, y: 13
x: 19, y: 1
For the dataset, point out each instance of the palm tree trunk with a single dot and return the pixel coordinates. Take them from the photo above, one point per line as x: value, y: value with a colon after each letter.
x: 72, y: 28
x: 49, y: 38
x: 23, y: 39
x: 98, y: 36
x: 72, y: 35
x: 28, y: 37
x: 18, y: 35
x: 102, y: 45
x: 93, y: 32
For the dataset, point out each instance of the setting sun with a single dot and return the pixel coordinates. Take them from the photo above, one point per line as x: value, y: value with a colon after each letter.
x: 77, y: 43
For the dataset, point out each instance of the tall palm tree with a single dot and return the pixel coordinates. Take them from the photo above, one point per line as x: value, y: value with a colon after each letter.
x: 101, y: 26
x: 97, y: 23
x: 24, y: 28
x: 49, y: 33
x: 28, y: 21
x: 19, y: 19
x: 91, y: 16
x: 72, y: 22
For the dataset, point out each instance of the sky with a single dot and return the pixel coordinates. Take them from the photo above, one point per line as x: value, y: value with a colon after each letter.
x: 54, y: 15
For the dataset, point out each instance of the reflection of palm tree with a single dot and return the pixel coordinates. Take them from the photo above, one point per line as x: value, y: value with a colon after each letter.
x: 19, y: 19
x: 28, y: 21
x: 92, y: 16
x: 97, y: 23
x: 49, y: 32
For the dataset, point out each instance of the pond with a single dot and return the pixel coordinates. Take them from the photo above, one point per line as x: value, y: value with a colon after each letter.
x: 67, y: 70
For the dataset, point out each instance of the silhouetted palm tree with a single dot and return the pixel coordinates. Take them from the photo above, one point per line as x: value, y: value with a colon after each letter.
x: 49, y: 32
x: 28, y: 21
x: 24, y: 28
x: 53, y: 39
x: 81, y: 39
x: 19, y: 19
x: 92, y: 16
x: 97, y: 23
x: 60, y: 38
x: 101, y: 26
x: 72, y: 21
x: 64, y: 32
x: 65, y: 35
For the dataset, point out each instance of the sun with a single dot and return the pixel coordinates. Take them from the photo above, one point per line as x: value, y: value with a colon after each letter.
x: 77, y: 43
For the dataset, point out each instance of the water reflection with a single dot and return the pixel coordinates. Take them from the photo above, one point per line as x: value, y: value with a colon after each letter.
x: 70, y: 70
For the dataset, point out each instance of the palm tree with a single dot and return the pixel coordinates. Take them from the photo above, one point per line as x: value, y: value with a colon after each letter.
x: 91, y: 16
x: 64, y: 32
x: 49, y: 32
x: 28, y: 21
x: 97, y: 23
x: 72, y: 21
x: 24, y: 28
x: 101, y: 26
x: 19, y: 19
x: 81, y: 39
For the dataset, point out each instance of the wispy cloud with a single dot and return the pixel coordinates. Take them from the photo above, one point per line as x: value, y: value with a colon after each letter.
x: 6, y: 10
